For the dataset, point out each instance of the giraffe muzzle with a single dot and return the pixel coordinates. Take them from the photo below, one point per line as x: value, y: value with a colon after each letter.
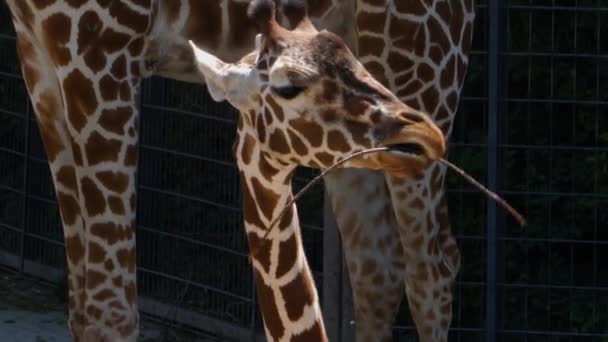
x: 422, y: 142
x: 412, y: 137
x: 411, y: 150
x: 407, y: 148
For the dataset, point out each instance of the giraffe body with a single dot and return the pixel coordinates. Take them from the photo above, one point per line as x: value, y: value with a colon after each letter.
x: 83, y: 61
x: 305, y: 100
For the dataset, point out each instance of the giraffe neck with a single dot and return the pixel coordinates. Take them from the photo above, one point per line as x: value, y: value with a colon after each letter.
x: 287, y: 294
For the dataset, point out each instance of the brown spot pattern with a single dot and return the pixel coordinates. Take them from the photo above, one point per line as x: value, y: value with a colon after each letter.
x: 81, y: 100
x: 268, y: 305
x: 315, y: 333
x: 131, y: 292
x: 96, y: 253
x: 297, y: 294
x: 358, y: 132
x: 94, y: 278
x: 262, y: 248
x: 250, y: 211
x: 95, y: 203
x: 276, y: 109
x: 310, y: 130
x: 114, y: 120
x: 116, y: 205
x: 297, y: 143
x: 67, y: 176
x: 204, y: 29
x: 261, y: 128
x: 56, y: 30
x: 355, y: 105
x: 268, y: 171
x: 107, y: 231
x: 325, y: 158
x: 278, y: 142
x: 108, y: 88
x: 371, y: 46
x: 89, y: 28
x: 114, y: 181
x: 119, y: 67
x: 247, y: 149
x: 266, y: 199
x: 69, y: 208
x: 242, y: 30
x: 128, y: 17
x: 74, y: 249
x: 337, y: 142
x: 104, y: 295
x: 100, y: 149
x: 94, y: 312
x: 131, y: 156
x: 288, y: 252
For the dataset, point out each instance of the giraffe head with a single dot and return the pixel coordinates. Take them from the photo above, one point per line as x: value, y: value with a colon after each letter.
x: 310, y: 102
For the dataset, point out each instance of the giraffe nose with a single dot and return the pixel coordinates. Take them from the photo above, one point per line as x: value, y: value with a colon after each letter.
x: 418, y: 136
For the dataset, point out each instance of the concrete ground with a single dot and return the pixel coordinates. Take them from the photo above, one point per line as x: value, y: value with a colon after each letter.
x: 32, y: 311
x: 20, y: 325
x: 23, y: 326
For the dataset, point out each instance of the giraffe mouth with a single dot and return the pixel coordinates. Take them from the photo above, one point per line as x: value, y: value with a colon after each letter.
x: 408, y: 148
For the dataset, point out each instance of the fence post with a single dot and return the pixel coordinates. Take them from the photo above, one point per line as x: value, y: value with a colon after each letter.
x: 25, y: 217
x: 332, y: 273
x: 493, y: 27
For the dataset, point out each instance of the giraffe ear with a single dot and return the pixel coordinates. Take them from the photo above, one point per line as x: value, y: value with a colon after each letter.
x: 213, y: 71
x: 224, y: 80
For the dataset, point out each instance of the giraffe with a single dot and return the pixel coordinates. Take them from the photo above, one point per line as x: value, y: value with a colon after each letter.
x: 305, y: 100
x: 419, y: 50
x: 83, y: 62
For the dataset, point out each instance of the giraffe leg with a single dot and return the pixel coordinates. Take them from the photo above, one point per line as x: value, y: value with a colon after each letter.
x: 91, y: 147
x: 372, y: 249
x: 431, y: 255
x: 44, y: 91
x: 84, y: 99
x: 96, y: 203
x: 104, y: 140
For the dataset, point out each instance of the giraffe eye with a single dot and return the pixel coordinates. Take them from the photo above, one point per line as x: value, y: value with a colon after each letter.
x: 288, y: 92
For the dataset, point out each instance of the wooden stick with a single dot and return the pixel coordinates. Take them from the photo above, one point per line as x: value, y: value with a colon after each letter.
x: 308, y: 186
x: 520, y: 219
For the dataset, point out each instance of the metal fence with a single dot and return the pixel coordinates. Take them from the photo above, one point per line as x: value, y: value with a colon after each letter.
x: 533, y: 124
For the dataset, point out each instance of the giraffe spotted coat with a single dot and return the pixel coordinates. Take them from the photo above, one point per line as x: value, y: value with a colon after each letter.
x: 83, y: 61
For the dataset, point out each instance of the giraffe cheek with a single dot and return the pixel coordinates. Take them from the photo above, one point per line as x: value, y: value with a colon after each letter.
x: 297, y: 144
x: 278, y: 143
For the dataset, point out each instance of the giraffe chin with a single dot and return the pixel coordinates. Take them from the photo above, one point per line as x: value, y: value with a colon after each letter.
x: 402, y: 164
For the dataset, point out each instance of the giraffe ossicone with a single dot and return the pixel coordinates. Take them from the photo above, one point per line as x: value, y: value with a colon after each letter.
x: 304, y: 100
